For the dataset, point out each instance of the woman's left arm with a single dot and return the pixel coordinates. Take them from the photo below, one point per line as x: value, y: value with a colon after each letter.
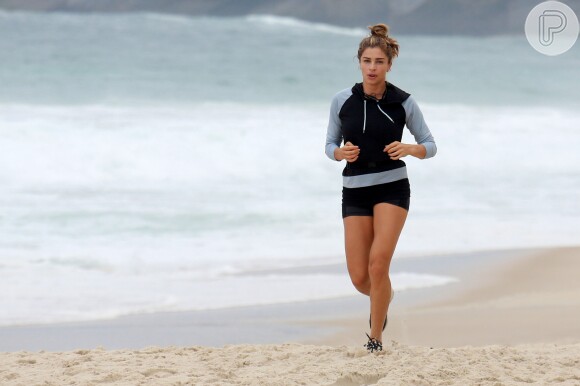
x: 425, y: 147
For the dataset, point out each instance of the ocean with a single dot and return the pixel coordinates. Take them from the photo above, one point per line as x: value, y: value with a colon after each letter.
x: 154, y: 163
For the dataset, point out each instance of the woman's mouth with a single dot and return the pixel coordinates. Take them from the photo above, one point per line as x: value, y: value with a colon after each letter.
x: 372, y: 76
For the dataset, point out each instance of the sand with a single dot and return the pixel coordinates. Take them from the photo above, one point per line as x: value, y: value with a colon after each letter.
x: 503, y: 324
x: 297, y: 364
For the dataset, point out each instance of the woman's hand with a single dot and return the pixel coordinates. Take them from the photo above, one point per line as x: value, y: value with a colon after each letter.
x: 348, y: 152
x: 397, y: 150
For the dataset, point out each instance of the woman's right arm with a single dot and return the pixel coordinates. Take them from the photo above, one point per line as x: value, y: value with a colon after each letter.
x: 333, y: 132
x: 334, y: 137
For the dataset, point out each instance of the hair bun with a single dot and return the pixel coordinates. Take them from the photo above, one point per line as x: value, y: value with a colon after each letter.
x: 379, y: 37
x: 379, y: 30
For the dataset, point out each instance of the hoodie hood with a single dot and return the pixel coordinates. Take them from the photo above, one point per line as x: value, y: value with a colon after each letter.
x: 393, y: 93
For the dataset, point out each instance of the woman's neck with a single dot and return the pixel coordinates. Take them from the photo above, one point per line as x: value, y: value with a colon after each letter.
x: 376, y: 91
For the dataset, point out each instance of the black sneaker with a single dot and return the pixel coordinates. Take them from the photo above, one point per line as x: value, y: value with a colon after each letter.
x: 373, y: 344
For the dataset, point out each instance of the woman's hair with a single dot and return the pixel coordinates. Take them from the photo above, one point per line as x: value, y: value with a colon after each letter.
x: 379, y: 37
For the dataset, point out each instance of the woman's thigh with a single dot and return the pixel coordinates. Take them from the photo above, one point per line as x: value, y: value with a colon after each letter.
x: 358, y: 237
x: 388, y: 222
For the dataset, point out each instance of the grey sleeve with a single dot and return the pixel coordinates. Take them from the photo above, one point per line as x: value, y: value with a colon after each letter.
x: 417, y: 126
x: 333, y: 132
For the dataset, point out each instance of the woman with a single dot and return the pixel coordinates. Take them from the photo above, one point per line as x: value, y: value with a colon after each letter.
x: 370, y: 118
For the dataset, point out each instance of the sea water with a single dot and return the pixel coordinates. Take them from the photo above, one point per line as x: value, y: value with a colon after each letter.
x: 159, y: 163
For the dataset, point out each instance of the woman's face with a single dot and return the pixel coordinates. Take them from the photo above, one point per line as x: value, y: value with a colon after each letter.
x: 374, y: 65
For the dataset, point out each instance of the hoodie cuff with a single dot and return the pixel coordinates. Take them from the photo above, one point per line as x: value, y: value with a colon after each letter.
x: 330, y: 150
x: 431, y: 149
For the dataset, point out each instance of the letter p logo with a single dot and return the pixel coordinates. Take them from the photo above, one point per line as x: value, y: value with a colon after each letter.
x: 551, y: 22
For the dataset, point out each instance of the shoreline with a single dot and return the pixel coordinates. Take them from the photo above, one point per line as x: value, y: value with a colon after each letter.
x: 330, y: 321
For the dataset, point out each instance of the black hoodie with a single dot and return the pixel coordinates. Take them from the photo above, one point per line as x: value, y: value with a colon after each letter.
x: 372, y: 124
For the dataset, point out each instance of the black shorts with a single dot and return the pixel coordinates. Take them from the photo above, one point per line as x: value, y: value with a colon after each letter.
x: 360, y: 201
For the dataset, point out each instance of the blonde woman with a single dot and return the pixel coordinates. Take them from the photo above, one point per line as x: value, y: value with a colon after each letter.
x: 369, y: 119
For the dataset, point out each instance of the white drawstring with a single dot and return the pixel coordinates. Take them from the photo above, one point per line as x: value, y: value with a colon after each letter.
x: 365, y: 115
x: 365, y: 119
x: 387, y: 115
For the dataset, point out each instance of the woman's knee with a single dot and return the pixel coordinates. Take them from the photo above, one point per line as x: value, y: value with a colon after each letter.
x: 379, y: 266
x: 360, y: 280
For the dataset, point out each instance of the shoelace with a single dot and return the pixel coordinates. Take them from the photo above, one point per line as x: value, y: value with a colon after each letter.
x: 373, y: 344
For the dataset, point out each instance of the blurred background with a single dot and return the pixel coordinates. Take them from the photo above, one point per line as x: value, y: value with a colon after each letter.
x: 164, y: 156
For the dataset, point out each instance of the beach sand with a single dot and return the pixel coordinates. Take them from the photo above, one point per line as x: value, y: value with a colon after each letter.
x: 513, y: 318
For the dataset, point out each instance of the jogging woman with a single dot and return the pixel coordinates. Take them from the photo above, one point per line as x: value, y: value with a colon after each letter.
x: 369, y: 119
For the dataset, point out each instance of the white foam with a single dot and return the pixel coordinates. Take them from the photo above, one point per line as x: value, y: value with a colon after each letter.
x: 48, y: 293
x: 129, y: 198
x: 289, y: 22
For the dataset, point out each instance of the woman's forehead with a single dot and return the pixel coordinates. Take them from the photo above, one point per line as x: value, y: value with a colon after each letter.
x: 373, y: 52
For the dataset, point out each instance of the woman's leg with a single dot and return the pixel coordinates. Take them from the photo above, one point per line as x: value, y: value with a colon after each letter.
x: 358, y: 238
x: 388, y: 223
